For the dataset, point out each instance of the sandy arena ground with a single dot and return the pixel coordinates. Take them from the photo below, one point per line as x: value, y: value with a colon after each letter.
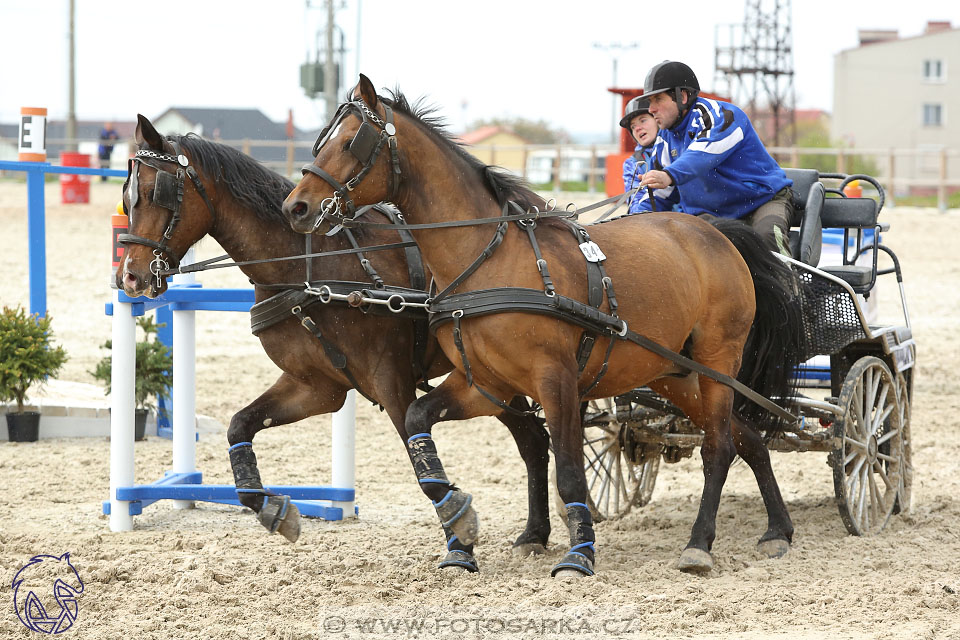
x: 213, y: 572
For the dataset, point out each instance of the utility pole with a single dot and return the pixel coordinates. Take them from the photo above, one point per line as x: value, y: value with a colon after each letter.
x: 71, y: 83
x: 756, y: 62
x: 329, y: 70
x: 613, y: 49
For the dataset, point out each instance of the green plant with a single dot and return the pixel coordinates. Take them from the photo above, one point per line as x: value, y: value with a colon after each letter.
x: 27, y: 353
x: 153, y: 371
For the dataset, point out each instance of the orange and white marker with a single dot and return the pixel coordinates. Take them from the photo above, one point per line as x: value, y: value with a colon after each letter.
x: 33, y: 134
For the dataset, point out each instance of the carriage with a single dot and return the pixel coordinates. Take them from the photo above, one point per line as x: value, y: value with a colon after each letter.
x: 855, y: 400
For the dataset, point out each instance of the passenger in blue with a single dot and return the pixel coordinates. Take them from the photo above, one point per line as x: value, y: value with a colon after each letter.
x: 709, y: 159
x: 643, y: 128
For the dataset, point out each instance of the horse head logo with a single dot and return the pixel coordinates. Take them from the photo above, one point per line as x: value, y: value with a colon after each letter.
x: 45, y: 594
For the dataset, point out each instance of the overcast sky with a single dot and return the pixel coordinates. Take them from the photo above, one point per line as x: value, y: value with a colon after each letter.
x: 474, y: 59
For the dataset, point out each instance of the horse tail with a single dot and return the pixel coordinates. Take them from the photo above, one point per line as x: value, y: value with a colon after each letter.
x: 777, y: 341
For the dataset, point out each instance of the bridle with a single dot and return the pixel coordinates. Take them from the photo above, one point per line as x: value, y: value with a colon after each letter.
x: 366, y: 145
x: 167, y: 193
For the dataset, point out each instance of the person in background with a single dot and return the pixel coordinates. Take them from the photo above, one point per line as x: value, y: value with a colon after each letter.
x: 643, y: 128
x: 709, y: 159
x: 107, y: 135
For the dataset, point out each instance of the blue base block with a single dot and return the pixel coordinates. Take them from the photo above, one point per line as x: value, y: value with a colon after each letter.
x: 188, y: 486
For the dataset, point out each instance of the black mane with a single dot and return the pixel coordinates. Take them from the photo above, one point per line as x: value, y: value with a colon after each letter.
x: 252, y: 184
x: 502, y: 184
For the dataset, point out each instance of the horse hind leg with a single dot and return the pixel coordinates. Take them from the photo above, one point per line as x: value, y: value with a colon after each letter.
x: 709, y: 405
x: 287, y: 401
x: 533, y: 442
x: 776, y: 541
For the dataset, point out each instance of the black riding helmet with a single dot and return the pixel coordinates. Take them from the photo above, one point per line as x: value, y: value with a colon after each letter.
x: 669, y: 75
x: 637, y: 106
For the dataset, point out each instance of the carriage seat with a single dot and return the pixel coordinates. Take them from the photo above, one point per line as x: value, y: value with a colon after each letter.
x: 808, y: 198
x: 854, y: 216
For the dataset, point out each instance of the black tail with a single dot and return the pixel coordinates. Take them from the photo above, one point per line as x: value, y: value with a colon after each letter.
x: 777, y: 341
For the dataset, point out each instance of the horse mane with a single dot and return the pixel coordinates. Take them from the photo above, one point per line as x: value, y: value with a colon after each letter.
x: 502, y: 184
x: 252, y: 184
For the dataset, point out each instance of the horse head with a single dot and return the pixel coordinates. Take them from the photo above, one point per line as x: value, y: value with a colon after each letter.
x: 356, y: 163
x: 165, y: 218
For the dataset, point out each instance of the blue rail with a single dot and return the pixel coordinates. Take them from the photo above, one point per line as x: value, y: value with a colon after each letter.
x: 36, y: 220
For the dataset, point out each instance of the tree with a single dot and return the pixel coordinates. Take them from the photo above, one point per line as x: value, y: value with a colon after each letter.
x: 533, y: 131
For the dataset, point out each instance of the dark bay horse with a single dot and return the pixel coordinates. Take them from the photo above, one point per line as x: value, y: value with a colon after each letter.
x: 232, y: 198
x: 673, y: 278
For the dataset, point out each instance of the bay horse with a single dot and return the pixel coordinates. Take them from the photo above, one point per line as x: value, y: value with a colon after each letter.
x: 237, y: 201
x: 679, y: 281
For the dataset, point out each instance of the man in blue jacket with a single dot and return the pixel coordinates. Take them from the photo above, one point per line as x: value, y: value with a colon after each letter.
x: 709, y: 159
x: 643, y: 129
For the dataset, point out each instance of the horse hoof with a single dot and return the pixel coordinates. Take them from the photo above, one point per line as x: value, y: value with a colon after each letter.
x: 290, y: 525
x: 467, y: 527
x: 458, y: 561
x: 529, y: 549
x: 569, y: 574
x: 694, y: 560
x: 773, y: 548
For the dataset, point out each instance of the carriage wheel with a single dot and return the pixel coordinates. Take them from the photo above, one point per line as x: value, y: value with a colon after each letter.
x: 616, y: 480
x: 903, y: 395
x: 867, y: 458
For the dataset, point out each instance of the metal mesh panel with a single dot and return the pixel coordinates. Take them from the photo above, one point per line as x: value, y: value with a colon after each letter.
x: 830, y: 317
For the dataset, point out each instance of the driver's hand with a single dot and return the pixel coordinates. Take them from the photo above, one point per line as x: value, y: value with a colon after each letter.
x: 656, y: 179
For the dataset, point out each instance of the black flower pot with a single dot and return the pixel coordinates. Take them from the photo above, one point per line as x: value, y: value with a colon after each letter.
x: 23, y: 427
x: 140, y: 423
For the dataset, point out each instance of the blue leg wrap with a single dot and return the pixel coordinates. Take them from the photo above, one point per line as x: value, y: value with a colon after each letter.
x: 581, y: 555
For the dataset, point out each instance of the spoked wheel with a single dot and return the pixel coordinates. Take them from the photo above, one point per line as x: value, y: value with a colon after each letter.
x: 617, y: 479
x: 867, y: 458
x: 903, y: 395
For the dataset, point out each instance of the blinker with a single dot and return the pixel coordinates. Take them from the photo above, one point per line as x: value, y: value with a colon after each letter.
x: 165, y: 190
x: 364, y: 142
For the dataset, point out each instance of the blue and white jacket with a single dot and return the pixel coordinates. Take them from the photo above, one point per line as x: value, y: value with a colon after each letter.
x: 717, y: 163
x: 633, y: 169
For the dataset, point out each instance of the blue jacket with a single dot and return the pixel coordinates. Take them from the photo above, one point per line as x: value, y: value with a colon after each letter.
x: 633, y: 169
x: 717, y: 162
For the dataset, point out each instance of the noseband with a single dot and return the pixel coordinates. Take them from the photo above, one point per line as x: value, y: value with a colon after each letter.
x: 370, y: 138
x: 167, y: 193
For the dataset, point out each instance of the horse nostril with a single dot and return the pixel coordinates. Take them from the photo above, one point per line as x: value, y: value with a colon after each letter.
x: 130, y: 282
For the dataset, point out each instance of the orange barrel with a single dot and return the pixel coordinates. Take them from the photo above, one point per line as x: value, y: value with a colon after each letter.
x: 74, y: 188
x: 33, y: 134
x: 120, y: 223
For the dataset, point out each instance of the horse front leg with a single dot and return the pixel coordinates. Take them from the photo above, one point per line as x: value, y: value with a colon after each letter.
x: 775, y: 542
x: 559, y: 396
x: 453, y: 399
x: 288, y: 400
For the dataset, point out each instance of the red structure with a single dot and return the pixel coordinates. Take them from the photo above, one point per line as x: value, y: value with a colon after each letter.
x: 614, y: 163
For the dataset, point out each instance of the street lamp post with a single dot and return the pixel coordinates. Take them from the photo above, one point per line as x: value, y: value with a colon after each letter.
x: 614, y: 48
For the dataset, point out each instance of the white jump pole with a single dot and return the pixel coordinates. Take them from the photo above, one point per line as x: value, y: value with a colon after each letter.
x: 342, y: 443
x: 184, y: 386
x: 122, y: 402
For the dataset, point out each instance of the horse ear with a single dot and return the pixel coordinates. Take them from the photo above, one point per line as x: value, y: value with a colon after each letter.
x: 147, y: 135
x: 365, y: 91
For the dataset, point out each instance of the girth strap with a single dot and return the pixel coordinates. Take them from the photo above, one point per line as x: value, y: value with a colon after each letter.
x: 336, y: 357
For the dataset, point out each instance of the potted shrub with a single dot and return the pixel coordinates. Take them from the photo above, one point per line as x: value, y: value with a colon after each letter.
x: 27, y: 356
x: 153, y: 371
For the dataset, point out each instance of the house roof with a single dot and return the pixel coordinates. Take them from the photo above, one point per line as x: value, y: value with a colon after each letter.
x: 232, y: 124
x: 934, y: 28
x: 483, y: 133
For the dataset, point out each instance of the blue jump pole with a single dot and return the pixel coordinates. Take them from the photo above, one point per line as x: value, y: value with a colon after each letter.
x: 36, y: 230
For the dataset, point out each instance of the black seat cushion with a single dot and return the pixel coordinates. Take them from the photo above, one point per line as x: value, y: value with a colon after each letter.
x: 855, y: 275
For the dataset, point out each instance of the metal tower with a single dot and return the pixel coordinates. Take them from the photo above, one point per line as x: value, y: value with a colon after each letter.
x: 755, y: 60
